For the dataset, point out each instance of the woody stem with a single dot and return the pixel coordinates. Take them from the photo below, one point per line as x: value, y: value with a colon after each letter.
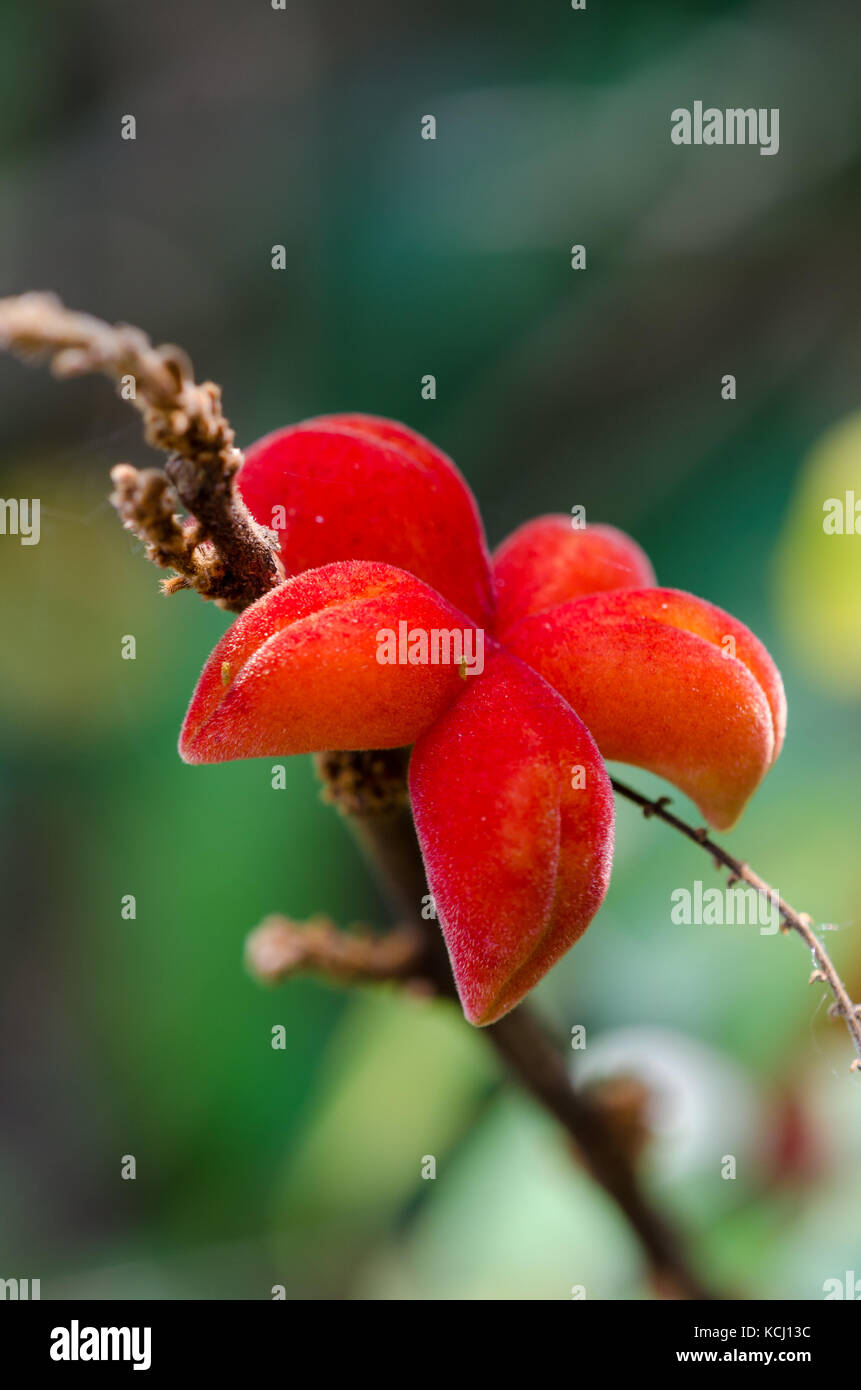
x: 370, y: 790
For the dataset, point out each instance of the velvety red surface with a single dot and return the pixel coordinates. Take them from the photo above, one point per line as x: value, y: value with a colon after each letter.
x: 652, y: 675
x: 298, y: 670
x: 512, y: 803
x: 357, y: 488
x: 547, y: 561
x: 518, y: 859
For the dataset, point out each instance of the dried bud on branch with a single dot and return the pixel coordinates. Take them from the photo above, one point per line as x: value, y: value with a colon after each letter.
x: 223, y: 554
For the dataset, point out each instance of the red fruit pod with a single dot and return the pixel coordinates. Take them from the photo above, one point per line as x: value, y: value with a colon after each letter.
x: 514, y: 814
x: 301, y: 670
x: 352, y: 487
x: 667, y: 682
x: 548, y: 561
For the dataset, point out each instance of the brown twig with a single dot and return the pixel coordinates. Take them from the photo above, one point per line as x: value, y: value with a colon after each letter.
x: 221, y: 552
x: 370, y: 791
x: 799, y: 922
x: 280, y: 947
x: 538, y: 1063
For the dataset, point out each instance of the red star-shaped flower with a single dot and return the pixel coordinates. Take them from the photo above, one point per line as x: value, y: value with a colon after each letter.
x: 513, y: 679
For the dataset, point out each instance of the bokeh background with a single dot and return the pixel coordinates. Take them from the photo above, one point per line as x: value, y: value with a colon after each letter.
x: 602, y: 387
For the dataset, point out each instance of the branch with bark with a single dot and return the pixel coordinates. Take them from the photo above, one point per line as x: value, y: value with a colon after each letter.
x: 280, y: 947
x: 219, y: 549
x: 370, y: 791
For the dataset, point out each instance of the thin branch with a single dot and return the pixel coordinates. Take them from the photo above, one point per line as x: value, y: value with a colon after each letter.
x: 222, y: 553
x: 538, y: 1063
x: 799, y: 922
x: 280, y: 947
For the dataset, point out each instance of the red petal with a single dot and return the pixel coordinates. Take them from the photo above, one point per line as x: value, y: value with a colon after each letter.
x: 548, y: 561
x: 355, y: 488
x: 654, y: 677
x: 298, y: 672
x: 518, y: 861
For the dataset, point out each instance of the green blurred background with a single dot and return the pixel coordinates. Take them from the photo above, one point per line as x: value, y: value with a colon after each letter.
x: 302, y: 1167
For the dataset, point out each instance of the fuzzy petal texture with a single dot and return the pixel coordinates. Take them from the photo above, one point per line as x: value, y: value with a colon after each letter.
x: 518, y: 861
x: 353, y: 487
x: 547, y: 561
x: 655, y: 678
x: 298, y: 671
